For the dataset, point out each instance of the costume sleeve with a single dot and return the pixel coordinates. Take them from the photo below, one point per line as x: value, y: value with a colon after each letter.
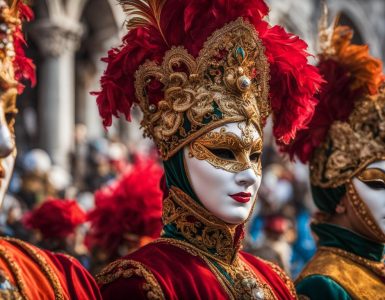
x: 318, y: 287
x: 79, y: 282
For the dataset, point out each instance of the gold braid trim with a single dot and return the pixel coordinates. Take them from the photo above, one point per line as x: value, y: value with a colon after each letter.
x: 286, y: 279
x: 16, y: 271
x: 43, y: 264
x: 127, y: 268
x: 206, y: 232
x: 378, y: 267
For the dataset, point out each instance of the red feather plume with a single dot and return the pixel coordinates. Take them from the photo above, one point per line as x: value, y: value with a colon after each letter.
x: 131, y: 206
x: 23, y: 66
x: 55, y: 218
x: 189, y: 23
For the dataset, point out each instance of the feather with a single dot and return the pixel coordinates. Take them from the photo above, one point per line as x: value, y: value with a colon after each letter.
x: 144, y: 13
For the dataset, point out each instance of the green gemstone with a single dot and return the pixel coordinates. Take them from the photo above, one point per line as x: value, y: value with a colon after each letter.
x: 240, y: 54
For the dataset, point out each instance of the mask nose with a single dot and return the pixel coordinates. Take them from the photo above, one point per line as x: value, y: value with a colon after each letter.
x: 246, y: 178
x: 6, y: 139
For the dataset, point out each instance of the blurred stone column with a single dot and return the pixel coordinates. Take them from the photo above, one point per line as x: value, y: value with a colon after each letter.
x: 57, y: 42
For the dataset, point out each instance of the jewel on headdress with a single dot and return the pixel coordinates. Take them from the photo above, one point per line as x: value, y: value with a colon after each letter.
x: 243, y: 83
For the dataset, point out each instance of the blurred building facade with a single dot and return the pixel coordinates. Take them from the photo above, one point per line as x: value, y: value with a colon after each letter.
x: 68, y: 38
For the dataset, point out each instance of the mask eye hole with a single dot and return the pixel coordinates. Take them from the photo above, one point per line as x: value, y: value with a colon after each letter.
x: 255, y: 156
x: 375, y: 184
x: 223, y: 153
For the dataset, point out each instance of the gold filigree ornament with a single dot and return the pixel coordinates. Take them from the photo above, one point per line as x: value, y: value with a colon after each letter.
x: 352, y: 145
x: 244, y: 153
x: 228, y: 82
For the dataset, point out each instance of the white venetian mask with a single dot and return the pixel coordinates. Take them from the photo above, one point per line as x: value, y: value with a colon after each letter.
x: 224, y: 170
x: 370, y: 187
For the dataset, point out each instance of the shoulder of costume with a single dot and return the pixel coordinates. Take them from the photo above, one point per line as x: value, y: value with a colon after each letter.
x: 22, y: 262
x: 319, y: 287
x: 142, y: 280
x: 271, y: 270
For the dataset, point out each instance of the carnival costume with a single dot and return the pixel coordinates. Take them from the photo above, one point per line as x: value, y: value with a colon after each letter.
x: 27, y: 272
x: 193, y: 66
x: 345, y: 136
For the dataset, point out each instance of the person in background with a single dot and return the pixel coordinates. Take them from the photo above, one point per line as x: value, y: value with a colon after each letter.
x: 345, y: 148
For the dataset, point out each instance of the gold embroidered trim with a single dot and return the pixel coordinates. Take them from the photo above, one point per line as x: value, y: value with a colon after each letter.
x: 44, y: 266
x: 199, y: 227
x: 16, y: 271
x: 286, y: 279
x: 353, y: 273
x: 127, y: 268
x: 230, y: 76
x: 351, y: 146
x: 377, y: 267
x: 362, y: 211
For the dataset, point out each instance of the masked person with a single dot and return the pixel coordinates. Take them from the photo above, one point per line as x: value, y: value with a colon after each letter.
x: 345, y: 147
x: 206, y: 75
x: 27, y: 272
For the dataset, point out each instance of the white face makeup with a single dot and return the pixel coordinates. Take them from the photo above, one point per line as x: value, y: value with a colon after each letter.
x: 370, y: 186
x: 228, y: 195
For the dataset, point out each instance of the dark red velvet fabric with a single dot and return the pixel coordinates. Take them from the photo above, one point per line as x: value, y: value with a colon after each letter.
x: 74, y: 277
x: 183, y: 276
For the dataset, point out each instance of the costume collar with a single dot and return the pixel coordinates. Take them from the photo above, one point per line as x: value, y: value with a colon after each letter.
x: 186, y: 220
x: 335, y: 236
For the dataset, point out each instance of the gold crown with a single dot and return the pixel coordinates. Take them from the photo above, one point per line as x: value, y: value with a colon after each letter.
x: 351, y: 146
x: 227, y: 82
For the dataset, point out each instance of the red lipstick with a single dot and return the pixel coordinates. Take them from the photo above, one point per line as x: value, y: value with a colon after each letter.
x: 241, y: 197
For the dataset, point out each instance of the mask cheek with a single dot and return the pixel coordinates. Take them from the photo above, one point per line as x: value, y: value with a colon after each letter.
x: 374, y: 200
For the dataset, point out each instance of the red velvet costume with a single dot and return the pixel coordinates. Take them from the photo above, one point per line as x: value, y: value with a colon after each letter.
x: 28, y: 272
x: 193, y: 66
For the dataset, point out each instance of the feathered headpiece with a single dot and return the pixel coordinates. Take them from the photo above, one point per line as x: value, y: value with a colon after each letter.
x: 195, y: 65
x: 15, y: 67
x: 346, y: 132
x: 55, y: 218
x: 129, y: 211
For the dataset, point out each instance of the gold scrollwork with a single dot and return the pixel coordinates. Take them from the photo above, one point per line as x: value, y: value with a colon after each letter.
x: 227, y: 82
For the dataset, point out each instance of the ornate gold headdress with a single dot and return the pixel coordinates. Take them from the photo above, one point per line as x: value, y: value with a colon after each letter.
x: 192, y: 67
x: 228, y: 82
x: 347, y: 130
